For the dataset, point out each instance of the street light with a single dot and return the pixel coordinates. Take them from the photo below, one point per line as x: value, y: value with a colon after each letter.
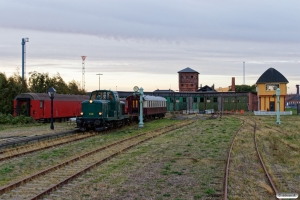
x: 140, y: 91
x: 99, y: 79
x: 51, y: 92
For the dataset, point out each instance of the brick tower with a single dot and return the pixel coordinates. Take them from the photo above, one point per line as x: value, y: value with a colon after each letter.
x: 188, y: 80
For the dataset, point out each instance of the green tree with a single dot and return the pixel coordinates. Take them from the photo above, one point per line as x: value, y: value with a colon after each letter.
x: 9, y: 89
x: 59, y: 84
x: 39, y: 82
x: 245, y: 88
x: 74, y: 88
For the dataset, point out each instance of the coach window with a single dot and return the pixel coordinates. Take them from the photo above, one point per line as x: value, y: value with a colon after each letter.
x: 41, y: 104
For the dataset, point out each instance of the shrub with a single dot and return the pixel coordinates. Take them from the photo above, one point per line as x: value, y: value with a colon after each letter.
x: 9, y: 119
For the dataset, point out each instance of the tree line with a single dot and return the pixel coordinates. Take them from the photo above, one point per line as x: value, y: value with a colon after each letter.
x: 37, y: 82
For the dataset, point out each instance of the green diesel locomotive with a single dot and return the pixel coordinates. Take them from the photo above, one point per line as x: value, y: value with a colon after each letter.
x: 103, y: 110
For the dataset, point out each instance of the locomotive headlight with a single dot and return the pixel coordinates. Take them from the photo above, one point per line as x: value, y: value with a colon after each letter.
x: 81, y: 113
x: 100, y: 113
x: 91, y: 101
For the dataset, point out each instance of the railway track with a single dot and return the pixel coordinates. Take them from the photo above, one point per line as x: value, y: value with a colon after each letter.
x: 43, y: 182
x: 22, y: 146
x: 262, y: 164
x: 41, y: 145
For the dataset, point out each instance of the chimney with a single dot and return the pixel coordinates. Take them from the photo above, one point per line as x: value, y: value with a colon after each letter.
x: 297, y: 86
x: 233, y: 84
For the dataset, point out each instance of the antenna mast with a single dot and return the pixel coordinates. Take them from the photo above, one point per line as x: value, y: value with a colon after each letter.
x: 244, y: 73
x: 83, y: 73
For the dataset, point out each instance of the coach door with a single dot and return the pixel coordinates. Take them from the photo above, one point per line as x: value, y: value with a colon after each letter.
x: 42, y: 110
x: 135, y: 106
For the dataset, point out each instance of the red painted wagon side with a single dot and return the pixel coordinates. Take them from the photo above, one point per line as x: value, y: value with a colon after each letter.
x: 153, y: 106
x: 38, y: 106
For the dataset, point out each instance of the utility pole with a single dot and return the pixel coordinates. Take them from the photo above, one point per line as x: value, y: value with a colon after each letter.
x: 24, y: 40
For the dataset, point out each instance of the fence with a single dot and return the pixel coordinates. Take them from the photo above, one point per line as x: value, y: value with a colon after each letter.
x: 272, y: 113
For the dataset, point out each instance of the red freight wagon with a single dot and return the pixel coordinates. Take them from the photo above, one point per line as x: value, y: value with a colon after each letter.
x: 38, y: 106
x: 153, y: 106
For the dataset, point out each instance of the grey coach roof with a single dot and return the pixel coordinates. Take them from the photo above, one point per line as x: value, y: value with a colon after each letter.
x: 188, y: 70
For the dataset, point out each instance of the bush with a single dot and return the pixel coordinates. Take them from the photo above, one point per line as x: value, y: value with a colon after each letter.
x: 9, y: 119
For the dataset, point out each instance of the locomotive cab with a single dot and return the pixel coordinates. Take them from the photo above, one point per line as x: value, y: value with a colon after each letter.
x: 103, y: 110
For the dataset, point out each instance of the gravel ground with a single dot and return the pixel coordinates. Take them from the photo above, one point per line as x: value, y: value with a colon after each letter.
x: 183, y: 164
x: 37, y: 129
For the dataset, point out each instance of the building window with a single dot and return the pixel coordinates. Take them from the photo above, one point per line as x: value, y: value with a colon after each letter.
x: 232, y: 99
x: 187, y: 76
x: 192, y: 76
x: 181, y: 85
x: 215, y: 99
x: 226, y: 99
x: 208, y: 99
x: 184, y: 99
x: 201, y: 99
x: 195, y: 99
x: 192, y: 84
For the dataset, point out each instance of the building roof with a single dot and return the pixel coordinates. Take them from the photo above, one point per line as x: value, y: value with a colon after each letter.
x: 188, y: 70
x: 206, y: 88
x: 272, y: 76
x: 225, y: 89
x: 169, y: 90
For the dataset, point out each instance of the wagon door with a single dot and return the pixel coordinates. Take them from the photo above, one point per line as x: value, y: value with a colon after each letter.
x: 23, y: 107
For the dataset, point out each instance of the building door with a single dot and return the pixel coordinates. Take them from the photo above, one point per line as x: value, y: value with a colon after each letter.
x: 272, y: 106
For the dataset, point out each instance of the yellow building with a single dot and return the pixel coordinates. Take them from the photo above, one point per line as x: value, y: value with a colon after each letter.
x: 267, y: 84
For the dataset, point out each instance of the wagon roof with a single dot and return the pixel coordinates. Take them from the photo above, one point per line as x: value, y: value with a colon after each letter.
x: 45, y: 96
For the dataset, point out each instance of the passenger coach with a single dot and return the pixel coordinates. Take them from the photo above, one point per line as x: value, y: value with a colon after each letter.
x: 153, y: 106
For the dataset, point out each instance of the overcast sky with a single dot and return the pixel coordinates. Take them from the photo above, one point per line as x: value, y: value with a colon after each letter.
x: 145, y: 43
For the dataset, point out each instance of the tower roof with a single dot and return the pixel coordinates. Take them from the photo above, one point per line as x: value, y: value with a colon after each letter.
x: 188, y: 70
x: 271, y: 76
